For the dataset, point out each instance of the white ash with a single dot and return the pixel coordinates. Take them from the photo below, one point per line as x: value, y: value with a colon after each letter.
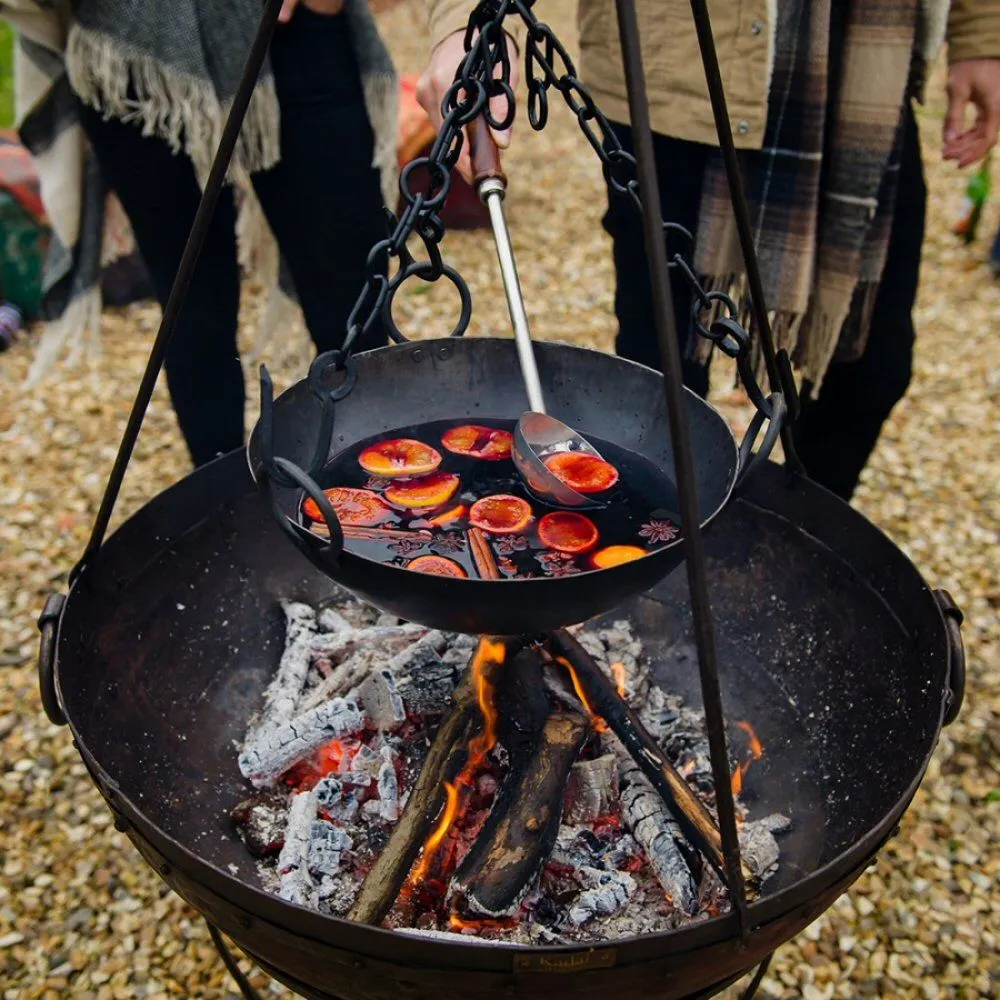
x: 277, y: 749
x: 379, y: 696
x: 609, y: 891
x: 591, y: 790
x: 617, y: 644
x: 338, y: 802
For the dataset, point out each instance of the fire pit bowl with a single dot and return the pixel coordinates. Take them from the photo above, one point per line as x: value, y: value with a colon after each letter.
x: 479, y: 380
x: 828, y: 639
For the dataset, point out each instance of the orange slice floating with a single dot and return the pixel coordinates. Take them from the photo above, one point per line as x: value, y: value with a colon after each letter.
x: 437, y: 566
x: 582, y: 472
x: 501, y: 514
x: 353, y: 506
x: 399, y: 457
x: 615, y: 555
x: 425, y: 492
x: 477, y: 441
x: 452, y: 514
x: 567, y: 531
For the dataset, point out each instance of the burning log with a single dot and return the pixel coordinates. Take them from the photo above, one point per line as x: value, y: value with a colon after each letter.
x: 687, y: 809
x: 482, y: 555
x: 446, y: 758
x: 515, y: 843
x: 293, y: 861
x: 273, y: 752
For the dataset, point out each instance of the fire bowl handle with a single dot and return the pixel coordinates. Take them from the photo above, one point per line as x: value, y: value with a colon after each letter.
x: 48, y: 626
x: 772, y: 409
x: 953, y: 619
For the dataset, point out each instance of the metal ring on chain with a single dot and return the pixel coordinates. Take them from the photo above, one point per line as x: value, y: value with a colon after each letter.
x: 422, y: 269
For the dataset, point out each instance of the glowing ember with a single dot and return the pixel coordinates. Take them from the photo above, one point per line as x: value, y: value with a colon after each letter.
x: 456, y: 923
x: 756, y: 752
x: 618, y: 672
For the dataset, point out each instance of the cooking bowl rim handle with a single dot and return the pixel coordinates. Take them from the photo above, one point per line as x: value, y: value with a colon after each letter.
x: 774, y: 412
x: 953, y: 618
x: 303, y: 538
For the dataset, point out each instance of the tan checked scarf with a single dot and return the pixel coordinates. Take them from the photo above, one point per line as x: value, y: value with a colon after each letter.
x: 822, y: 188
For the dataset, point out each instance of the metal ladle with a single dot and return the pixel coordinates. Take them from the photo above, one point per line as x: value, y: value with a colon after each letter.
x: 537, y: 435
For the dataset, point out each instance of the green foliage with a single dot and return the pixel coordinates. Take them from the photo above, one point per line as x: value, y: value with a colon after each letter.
x: 6, y: 75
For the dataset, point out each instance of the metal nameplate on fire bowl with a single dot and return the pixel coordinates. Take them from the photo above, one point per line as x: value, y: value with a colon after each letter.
x: 599, y: 958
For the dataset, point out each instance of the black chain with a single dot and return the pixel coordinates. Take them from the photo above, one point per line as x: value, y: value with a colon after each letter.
x: 425, y: 183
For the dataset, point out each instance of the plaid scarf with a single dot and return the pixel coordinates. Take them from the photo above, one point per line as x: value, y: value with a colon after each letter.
x: 173, y: 67
x: 822, y: 188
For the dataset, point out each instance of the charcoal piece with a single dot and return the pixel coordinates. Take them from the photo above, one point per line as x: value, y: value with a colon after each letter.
x: 283, y: 693
x: 388, y: 793
x: 656, y: 833
x: 296, y: 885
x: 364, y: 766
x: 379, y: 697
x: 424, y: 681
x: 276, y: 750
x: 607, y: 893
x: 326, y: 847
x: 330, y: 620
x: 260, y: 822
x: 758, y: 844
x: 591, y: 790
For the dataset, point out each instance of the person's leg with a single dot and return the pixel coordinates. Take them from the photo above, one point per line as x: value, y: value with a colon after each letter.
x: 323, y: 200
x: 837, y: 430
x: 680, y: 166
x: 160, y: 195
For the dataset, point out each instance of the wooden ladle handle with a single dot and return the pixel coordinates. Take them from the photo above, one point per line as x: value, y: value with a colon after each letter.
x: 484, y: 153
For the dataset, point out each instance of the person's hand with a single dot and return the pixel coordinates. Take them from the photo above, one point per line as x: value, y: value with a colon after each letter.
x: 975, y: 82
x: 437, y: 78
x: 317, y: 6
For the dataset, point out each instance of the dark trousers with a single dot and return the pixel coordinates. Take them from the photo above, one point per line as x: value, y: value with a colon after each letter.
x: 838, y: 428
x: 322, y: 201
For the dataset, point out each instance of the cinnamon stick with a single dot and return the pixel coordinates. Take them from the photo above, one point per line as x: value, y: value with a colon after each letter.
x: 687, y: 809
x: 373, y: 534
x: 482, y: 555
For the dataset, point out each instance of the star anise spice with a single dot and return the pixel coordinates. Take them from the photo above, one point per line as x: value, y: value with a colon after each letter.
x: 659, y: 531
x: 449, y: 542
x: 507, y: 545
x: 406, y: 547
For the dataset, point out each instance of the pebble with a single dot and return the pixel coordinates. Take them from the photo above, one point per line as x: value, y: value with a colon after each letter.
x: 923, y: 925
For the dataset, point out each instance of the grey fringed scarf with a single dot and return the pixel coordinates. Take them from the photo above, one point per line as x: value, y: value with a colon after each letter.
x: 174, y: 65
x: 183, y: 59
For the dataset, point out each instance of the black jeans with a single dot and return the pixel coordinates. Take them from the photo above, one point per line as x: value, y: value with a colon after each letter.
x: 837, y: 429
x: 322, y: 201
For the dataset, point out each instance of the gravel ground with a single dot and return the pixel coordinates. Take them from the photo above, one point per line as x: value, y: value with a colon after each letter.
x: 80, y: 913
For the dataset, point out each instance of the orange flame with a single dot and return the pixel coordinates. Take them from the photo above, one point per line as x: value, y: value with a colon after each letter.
x: 456, y: 923
x: 618, y: 672
x: 596, y: 721
x: 756, y: 752
x: 487, y: 652
x: 448, y: 516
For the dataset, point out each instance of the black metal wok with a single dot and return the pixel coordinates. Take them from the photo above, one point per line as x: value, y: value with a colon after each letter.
x: 478, y: 379
x: 829, y: 640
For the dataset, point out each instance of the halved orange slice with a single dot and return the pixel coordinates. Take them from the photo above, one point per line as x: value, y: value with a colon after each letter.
x: 477, y: 441
x: 567, y: 531
x: 582, y: 472
x: 399, y: 457
x: 501, y: 514
x: 615, y: 555
x: 437, y: 566
x: 427, y: 491
x: 353, y: 506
